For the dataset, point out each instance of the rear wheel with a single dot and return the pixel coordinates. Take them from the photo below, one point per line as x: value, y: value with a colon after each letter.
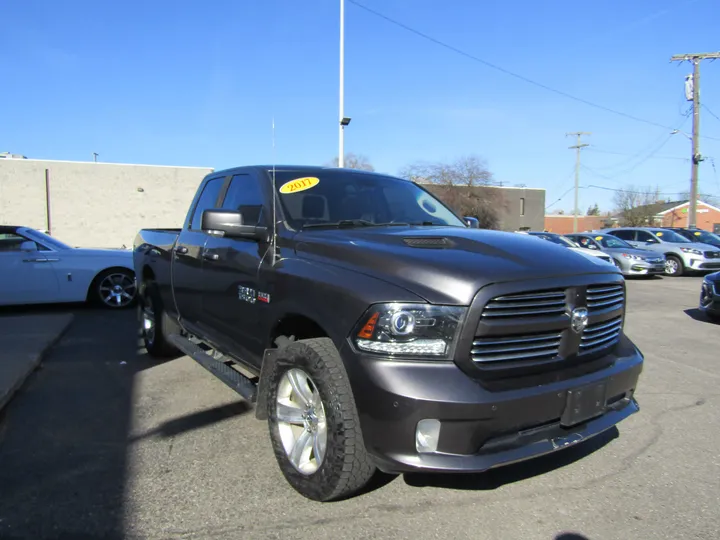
x: 313, y: 422
x: 114, y: 288
x: 673, y: 266
x: 156, y: 324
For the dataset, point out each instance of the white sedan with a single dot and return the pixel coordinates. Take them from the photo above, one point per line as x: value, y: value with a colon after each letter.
x: 38, y: 269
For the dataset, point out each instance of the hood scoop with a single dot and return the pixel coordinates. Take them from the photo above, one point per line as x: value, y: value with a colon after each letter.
x: 437, y: 242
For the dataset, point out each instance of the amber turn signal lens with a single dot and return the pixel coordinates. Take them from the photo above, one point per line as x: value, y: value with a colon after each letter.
x: 366, y: 332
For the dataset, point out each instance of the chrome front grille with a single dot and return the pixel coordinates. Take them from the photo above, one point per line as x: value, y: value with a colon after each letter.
x: 499, y: 349
x: 605, y: 297
x: 550, y: 302
x: 600, y: 335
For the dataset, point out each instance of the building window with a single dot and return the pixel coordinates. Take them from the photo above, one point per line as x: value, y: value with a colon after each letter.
x: 522, y: 206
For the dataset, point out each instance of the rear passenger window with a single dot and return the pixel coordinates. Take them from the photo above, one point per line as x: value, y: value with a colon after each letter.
x: 208, y: 199
x: 624, y: 235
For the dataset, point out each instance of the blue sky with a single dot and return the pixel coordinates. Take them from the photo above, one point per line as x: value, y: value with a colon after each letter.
x: 198, y: 83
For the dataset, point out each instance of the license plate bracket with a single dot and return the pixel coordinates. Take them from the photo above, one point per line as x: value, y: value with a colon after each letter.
x: 584, y: 403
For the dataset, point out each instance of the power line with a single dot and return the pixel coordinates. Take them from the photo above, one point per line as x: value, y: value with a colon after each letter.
x: 511, y: 73
x: 711, y: 113
x: 602, y: 151
x: 662, y: 140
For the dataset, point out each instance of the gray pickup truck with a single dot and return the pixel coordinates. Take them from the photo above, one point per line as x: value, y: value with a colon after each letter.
x: 374, y: 329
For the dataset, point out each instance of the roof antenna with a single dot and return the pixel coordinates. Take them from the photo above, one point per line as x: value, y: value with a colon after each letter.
x: 273, y: 246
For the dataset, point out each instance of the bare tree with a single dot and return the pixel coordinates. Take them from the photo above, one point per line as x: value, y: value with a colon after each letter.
x: 703, y: 197
x: 464, y: 185
x: 637, y: 206
x: 353, y: 161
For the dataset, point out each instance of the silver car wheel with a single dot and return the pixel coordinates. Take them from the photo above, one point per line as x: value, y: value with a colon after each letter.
x: 301, y: 421
x: 117, y: 290
x: 671, y: 266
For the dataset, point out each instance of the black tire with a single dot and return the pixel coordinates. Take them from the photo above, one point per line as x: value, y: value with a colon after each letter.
x: 677, y: 264
x: 346, y: 467
x: 98, y: 290
x: 156, y: 343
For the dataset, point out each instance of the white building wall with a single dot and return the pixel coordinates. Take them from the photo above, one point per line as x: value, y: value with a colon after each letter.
x: 95, y: 204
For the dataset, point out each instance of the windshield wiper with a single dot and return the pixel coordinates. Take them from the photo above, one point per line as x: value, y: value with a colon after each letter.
x: 343, y: 223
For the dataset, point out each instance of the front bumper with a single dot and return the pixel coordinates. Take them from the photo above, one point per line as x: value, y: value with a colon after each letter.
x: 694, y: 262
x: 480, y: 429
x: 643, y: 268
x: 710, y: 298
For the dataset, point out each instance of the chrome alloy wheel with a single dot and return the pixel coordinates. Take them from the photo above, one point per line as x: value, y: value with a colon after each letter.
x: 671, y: 266
x: 301, y: 421
x: 117, y: 290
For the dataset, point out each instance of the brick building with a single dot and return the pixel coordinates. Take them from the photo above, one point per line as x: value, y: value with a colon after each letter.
x: 563, y: 224
x: 707, y: 216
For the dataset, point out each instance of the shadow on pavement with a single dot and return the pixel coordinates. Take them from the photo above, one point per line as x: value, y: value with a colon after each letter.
x: 571, y: 536
x: 197, y: 420
x: 696, y: 314
x: 496, y: 478
x: 64, y: 436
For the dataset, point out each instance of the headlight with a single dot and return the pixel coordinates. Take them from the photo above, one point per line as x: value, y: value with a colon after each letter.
x: 409, y: 330
x: 632, y: 257
x: 691, y: 250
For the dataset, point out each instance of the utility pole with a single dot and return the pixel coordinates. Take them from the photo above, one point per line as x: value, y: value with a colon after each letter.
x: 577, y: 148
x: 696, y: 157
x: 341, y: 152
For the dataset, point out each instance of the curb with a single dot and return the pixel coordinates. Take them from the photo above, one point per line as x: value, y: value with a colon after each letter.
x: 6, y: 397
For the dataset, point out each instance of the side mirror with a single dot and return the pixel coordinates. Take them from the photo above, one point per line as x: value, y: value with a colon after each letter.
x: 472, y: 222
x: 28, y: 245
x: 229, y: 223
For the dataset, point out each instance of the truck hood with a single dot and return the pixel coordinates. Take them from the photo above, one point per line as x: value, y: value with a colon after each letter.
x: 444, y: 265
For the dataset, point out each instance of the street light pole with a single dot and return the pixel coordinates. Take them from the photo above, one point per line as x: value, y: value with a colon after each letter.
x: 341, y: 151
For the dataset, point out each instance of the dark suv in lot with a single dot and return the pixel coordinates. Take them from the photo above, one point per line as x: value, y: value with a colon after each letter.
x: 698, y: 235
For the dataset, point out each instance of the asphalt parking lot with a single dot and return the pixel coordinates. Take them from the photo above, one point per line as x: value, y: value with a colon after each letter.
x: 105, y: 442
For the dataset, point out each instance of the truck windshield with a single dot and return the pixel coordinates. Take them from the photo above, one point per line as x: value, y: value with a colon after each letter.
x: 346, y: 198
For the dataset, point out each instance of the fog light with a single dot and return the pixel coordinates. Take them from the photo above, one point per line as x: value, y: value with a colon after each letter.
x: 427, y: 435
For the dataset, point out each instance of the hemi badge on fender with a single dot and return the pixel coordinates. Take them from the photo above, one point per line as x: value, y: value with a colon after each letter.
x: 263, y: 297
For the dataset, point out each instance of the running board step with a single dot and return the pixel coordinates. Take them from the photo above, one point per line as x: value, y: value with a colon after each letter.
x: 235, y: 380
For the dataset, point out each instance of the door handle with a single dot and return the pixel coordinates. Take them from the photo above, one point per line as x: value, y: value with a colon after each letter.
x: 37, y: 260
x: 211, y: 256
x: 181, y: 250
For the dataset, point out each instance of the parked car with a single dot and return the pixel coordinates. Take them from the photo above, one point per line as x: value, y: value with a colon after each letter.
x: 565, y: 241
x: 710, y: 296
x: 374, y: 329
x: 681, y: 255
x: 698, y: 235
x: 630, y: 260
x: 36, y: 268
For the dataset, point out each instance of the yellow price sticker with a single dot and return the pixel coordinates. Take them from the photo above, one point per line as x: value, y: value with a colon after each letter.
x: 658, y: 234
x: 598, y: 238
x: 697, y: 234
x: 299, y: 184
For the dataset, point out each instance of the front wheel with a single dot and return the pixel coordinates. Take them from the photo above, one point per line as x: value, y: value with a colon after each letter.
x: 313, y: 422
x: 673, y: 266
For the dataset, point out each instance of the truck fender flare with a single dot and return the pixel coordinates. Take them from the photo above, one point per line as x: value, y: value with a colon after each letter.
x: 268, y: 365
